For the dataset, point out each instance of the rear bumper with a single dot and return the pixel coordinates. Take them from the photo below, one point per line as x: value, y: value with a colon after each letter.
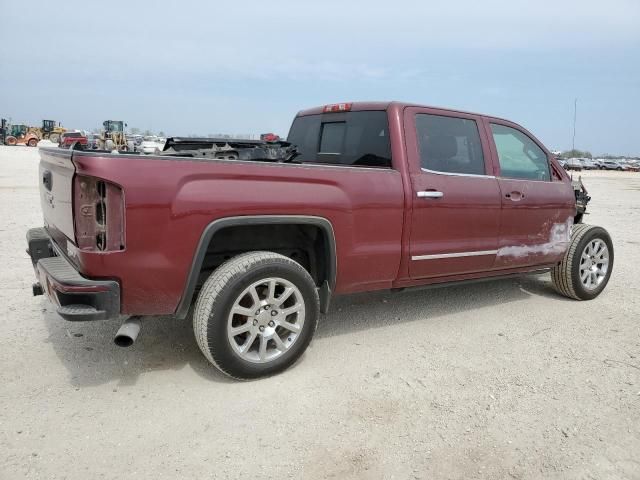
x: 77, y: 298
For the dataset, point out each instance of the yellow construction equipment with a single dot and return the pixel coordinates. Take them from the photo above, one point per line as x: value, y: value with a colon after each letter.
x: 113, y: 136
x: 51, y: 131
x: 21, y: 134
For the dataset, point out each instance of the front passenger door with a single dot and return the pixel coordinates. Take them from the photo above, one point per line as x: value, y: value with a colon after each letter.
x: 537, y: 206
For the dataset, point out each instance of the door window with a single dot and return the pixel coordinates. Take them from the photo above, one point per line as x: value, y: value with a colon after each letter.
x: 519, y: 156
x: 450, y: 145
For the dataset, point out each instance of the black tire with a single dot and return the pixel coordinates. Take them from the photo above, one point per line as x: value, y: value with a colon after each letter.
x: 566, y: 275
x: 32, y: 142
x: 219, y: 294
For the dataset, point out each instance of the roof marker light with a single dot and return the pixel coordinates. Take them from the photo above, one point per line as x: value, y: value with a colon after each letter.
x: 337, y: 107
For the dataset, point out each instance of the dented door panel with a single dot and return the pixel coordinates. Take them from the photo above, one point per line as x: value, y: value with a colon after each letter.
x: 536, y: 215
x: 535, y: 229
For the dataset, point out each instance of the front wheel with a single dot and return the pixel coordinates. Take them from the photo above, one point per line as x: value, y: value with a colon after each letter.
x: 586, y: 267
x: 256, y: 314
x: 32, y: 142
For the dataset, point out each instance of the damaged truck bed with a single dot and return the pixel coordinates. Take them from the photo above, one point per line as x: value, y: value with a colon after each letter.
x: 229, y: 149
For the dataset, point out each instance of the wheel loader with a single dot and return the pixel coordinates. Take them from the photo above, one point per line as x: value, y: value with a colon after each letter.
x: 51, y: 131
x: 113, y: 136
x: 21, y: 134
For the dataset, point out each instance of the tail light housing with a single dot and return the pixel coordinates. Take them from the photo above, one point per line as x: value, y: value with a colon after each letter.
x: 98, y: 214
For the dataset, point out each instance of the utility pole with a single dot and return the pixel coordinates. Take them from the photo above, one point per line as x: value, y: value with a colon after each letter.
x: 575, y: 112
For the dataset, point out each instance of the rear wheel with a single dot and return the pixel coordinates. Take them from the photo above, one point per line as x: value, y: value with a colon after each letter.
x: 586, y: 267
x: 256, y: 314
x: 11, y: 141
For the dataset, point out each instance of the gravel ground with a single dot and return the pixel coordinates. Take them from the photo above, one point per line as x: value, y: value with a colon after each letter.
x: 496, y: 380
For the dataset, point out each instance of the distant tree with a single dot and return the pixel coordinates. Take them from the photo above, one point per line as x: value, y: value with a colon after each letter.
x: 134, y: 131
x: 608, y: 156
x: 147, y: 133
x: 576, y: 154
x: 161, y: 133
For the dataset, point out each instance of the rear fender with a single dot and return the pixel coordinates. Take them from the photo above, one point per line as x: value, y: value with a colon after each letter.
x: 325, y: 289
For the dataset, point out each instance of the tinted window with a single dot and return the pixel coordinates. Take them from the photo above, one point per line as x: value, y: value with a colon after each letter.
x: 332, y: 137
x: 519, y: 156
x: 449, y: 144
x: 351, y: 138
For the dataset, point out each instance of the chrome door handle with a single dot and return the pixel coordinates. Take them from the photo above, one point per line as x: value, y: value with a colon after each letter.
x: 430, y: 194
x: 514, y: 196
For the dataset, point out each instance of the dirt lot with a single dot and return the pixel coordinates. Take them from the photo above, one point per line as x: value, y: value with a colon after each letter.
x: 495, y: 380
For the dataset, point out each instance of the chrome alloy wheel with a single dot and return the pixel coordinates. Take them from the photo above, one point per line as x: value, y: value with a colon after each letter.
x: 266, y: 320
x: 594, y: 264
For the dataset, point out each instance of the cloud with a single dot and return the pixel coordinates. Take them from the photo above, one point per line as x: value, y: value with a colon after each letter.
x: 212, y: 66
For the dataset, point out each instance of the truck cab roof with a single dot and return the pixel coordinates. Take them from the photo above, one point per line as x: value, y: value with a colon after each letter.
x: 386, y: 105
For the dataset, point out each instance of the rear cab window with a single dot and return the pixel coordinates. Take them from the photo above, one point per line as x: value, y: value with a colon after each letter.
x: 353, y: 139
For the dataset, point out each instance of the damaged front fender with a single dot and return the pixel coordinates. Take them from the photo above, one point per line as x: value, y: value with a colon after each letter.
x: 582, y: 199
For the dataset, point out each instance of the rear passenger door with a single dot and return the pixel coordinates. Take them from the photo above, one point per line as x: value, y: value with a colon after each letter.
x: 455, y: 198
x: 537, y: 206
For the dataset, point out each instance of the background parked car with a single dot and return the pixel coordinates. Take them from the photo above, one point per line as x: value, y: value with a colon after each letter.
x: 611, y: 165
x: 136, y: 139
x: 573, y: 164
x: 588, y: 164
x: 151, y: 145
x: 92, y: 141
x: 633, y: 166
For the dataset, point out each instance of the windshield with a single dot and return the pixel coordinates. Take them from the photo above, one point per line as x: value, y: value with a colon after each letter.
x: 111, y: 126
x: 17, y: 130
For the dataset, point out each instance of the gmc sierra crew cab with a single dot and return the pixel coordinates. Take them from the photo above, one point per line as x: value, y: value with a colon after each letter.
x: 251, y: 239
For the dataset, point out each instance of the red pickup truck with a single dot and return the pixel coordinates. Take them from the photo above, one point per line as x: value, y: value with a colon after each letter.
x: 68, y: 139
x: 253, y: 238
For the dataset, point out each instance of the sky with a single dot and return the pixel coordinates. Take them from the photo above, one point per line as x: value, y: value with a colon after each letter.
x: 247, y: 67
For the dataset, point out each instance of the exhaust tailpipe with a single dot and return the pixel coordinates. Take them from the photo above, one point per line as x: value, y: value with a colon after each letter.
x: 128, y: 332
